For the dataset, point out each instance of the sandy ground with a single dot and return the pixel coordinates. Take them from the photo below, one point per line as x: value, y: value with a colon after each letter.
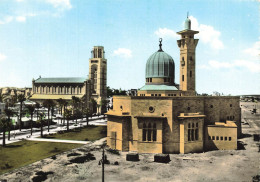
x: 232, y: 165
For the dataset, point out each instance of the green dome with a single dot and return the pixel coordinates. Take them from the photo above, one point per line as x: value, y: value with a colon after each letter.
x: 187, y: 25
x: 160, y: 65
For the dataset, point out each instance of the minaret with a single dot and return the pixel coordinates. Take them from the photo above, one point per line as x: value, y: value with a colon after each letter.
x: 98, y: 73
x: 187, y: 45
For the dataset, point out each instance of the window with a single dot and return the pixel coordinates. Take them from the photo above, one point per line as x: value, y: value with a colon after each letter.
x: 144, y: 132
x: 221, y: 138
x: 190, y: 73
x: 165, y: 80
x: 183, y: 78
x: 209, y: 138
x: 149, y: 132
x: 149, y: 137
x: 229, y: 138
x: 151, y: 109
x: 151, y: 79
x: 174, y: 94
x: 190, y: 58
x: 225, y: 138
x: 230, y: 105
x: 211, y: 106
x: 155, y: 94
x: 193, y: 132
x: 159, y: 95
x: 152, y: 94
x: 217, y: 137
x: 196, y: 134
x: 154, y: 132
x: 188, y: 108
x: 169, y: 94
x: 213, y: 137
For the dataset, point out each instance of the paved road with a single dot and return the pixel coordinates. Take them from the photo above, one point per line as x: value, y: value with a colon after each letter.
x: 17, y: 135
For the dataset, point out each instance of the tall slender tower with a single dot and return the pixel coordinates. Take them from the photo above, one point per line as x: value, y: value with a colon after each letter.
x: 98, y: 74
x: 187, y: 45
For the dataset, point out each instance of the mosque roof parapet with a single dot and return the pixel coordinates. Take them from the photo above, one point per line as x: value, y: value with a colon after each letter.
x: 191, y: 115
x: 229, y: 124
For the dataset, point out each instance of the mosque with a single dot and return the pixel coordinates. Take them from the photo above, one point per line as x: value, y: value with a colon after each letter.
x: 92, y: 87
x: 166, y: 117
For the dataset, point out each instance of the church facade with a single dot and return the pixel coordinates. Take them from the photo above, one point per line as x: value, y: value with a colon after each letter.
x: 166, y: 117
x: 65, y: 87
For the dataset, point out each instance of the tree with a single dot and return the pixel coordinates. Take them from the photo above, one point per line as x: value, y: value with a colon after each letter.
x: 37, y: 107
x: 41, y: 117
x: 31, y: 110
x: 103, y: 104
x: 21, y: 99
x: 48, y: 104
x: 98, y: 106
x: 3, y: 125
x: 68, y: 114
x: 9, y: 113
x: 94, y: 105
x: 61, y: 103
x: 87, y: 113
x: 75, y: 104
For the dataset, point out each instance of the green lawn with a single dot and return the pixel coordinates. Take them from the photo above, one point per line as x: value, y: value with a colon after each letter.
x: 89, y: 133
x: 23, y: 153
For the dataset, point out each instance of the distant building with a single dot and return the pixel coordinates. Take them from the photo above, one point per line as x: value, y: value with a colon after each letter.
x: 166, y: 117
x: 93, y: 87
x: 132, y: 92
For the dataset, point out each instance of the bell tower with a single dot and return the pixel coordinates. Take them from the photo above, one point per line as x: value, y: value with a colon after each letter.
x: 187, y: 45
x: 98, y: 74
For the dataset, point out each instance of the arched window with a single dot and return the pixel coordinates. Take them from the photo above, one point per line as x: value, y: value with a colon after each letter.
x: 144, y: 132
x: 190, y: 73
x: 154, y: 132
x: 149, y: 138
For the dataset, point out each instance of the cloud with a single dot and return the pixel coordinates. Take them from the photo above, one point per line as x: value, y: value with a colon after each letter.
x: 2, y: 57
x: 208, y: 34
x: 60, y: 4
x: 122, y: 52
x: 20, y: 18
x: 166, y: 33
x: 6, y: 20
x: 252, y: 66
x: 253, y: 51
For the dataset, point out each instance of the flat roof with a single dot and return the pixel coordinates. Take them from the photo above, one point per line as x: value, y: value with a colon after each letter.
x: 61, y: 80
x: 50, y: 96
x: 158, y: 87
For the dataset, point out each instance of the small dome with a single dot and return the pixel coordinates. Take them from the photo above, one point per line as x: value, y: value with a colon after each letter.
x: 187, y: 25
x: 160, y: 65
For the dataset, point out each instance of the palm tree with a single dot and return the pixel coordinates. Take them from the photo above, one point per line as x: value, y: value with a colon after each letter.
x: 37, y: 107
x: 94, y: 105
x: 49, y: 104
x: 75, y: 103
x: 3, y: 125
x: 21, y: 99
x: 86, y: 112
x: 9, y: 113
x: 67, y: 114
x: 41, y: 116
x: 31, y: 110
x: 61, y: 103
x: 98, y: 106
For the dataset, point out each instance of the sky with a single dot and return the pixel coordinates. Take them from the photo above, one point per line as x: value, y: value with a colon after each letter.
x: 54, y: 38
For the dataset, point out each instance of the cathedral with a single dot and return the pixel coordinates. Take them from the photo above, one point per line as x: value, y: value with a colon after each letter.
x: 166, y: 117
x: 93, y: 87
